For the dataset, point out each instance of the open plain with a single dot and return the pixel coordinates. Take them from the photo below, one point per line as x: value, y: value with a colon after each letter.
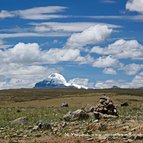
x: 36, y: 116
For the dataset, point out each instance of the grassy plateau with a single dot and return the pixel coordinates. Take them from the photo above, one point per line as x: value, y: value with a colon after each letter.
x: 44, y: 105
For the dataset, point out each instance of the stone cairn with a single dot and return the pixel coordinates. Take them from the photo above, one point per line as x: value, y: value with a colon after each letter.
x: 105, y: 107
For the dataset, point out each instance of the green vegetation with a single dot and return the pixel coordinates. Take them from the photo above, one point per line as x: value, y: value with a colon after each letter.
x: 20, y: 95
x: 44, y: 105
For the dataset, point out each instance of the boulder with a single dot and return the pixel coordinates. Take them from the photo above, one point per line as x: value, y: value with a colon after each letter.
x: 79, y: 114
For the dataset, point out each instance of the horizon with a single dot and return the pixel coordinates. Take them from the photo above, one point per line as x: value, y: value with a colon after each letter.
x: 97, y: 42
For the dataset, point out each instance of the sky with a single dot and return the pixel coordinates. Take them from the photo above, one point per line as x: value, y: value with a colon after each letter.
x: 97, y: 43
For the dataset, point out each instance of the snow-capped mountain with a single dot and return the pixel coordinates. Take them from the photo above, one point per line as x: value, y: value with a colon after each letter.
x: 57, y: 80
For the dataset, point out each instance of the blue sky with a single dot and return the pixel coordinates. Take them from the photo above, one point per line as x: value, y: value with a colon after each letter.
x: 99, y: 43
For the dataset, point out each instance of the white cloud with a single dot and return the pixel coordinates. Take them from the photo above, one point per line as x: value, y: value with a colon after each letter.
x: 4, y: 45
x: 61, y: 55
x: 81, y: 82
x: 19, y: 76
x: 21, y: 66
x: 1, y: 42
x: 121, y: 49
x: 58, y: 26
x: 5, y: 14
x: 66, y: 26
x: 37, y: 13
x: 135, y: 5
x: 109, y: 71
x: 24, y: 53
x: 42, y: 10
x: 32, y: 54
x: 85, y: 59
x: 132, y: 69
x: 42, y: 16
x: 50, y: 29
x: 33, y: 34
x: 89, y: 36
x: 109, y: 1
x: 136, y: 82
x: 111, y: 83
x: 104, y: 84
x: 107, y: 61
x: 120, y: 17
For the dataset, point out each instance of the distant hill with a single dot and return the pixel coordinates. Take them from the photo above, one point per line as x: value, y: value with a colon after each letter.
x: 115, y: 87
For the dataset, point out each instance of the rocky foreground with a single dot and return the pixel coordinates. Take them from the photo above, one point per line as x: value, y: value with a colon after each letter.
x: 100, y: 123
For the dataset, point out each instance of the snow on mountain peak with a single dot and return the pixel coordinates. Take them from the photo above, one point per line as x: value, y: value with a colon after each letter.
x: 58, y: 77
x: 56, y: 80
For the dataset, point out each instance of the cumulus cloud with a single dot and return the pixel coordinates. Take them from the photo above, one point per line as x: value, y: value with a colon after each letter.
x: 107, y: 61
x: 22, y: 76
x: 85, y: 59
x: 89, y: 36
x: 81, y: 82
x: 136, y: 82
x: 132, y: 69
x: 121, y: 49
x: 61, y: 55
x: 129, y: 69
x: 109, y: 71
x: 24, y: 53
x: 32, y: 54
x: 111, y: 83
x: 135, y: 5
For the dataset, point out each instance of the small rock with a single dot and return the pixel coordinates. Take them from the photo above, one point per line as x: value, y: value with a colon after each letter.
x: 25, y: 136
x: 125, y: 128
x: 64, y: 124
x: 38, y: 135
x: 139, y: 137
x: 125, y: 104
x: 65, y: 104
x: 18, y: 110
x: 90, y: 139
x: 98, y: 116
x: 21, y: 120
x: 35, y: 128
x: 128, y: 141
x: 42, y: 126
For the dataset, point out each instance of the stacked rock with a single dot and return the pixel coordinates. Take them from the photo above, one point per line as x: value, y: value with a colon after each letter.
x: 106, y: 106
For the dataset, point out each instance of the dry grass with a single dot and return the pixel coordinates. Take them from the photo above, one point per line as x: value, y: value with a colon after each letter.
x: 46, y: 139
x: 45, y: 105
